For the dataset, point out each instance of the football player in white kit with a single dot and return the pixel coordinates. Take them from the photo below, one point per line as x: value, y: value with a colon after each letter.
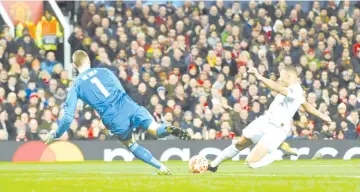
x: 270, y: 130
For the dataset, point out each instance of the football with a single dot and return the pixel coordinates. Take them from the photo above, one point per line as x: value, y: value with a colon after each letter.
x: 198, y: 164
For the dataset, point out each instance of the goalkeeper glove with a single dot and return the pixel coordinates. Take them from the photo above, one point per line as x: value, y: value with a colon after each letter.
x: 50, y: 137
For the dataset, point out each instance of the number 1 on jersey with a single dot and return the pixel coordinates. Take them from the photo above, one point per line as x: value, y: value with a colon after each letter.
x: 101, y: 87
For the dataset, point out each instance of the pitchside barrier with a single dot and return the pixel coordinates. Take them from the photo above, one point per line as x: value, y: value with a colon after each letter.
x: 164, y: 150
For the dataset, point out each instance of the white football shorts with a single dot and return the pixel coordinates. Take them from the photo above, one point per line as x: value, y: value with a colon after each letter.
x: 262, y: 130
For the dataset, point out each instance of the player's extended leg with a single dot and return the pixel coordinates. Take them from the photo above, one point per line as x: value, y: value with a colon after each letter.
x: 264, y: 151
x: 163, y: 130
x: 259, y: 156
x: 230, y: 152
x: 251, y: 134
x: 146, y: 121
x: 144, y: 155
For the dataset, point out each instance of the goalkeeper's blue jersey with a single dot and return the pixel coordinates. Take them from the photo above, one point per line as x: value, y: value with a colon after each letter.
x: 101, y: 89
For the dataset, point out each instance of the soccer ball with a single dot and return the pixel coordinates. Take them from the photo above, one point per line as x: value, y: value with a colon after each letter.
x: 198, y: 164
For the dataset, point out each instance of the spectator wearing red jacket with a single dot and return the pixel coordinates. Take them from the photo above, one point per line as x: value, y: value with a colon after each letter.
x: 161, y: 18
x: 225, y: 132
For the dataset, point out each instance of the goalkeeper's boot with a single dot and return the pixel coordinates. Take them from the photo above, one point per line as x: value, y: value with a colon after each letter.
x: 163, y: 171
x: 212, y: 169
x: 178, y: 132
x: 286, y: 149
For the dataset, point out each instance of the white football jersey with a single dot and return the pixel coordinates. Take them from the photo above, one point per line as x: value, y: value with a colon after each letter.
x: 283, y: 108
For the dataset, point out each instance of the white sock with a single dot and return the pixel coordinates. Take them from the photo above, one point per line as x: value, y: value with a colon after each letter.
x: 227, y: 153
x: 163, y: 168
x: 269, y: 158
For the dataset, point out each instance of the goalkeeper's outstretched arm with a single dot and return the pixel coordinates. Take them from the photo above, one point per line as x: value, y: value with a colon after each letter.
x: 69, y: 110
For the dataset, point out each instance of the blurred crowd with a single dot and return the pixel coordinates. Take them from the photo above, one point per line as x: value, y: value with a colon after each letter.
x: 188, y: 66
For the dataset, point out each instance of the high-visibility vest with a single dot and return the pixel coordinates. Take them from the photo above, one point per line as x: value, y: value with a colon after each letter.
x: 48, y: 27
x: 47, y: 33
x: 27, y: 24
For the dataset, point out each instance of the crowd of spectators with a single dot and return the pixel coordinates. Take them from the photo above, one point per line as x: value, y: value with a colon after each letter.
x: 188, y: 66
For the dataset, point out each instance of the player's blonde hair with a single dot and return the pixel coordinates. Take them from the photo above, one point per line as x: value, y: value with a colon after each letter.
x: 79, y: 57
x: 292, y: 70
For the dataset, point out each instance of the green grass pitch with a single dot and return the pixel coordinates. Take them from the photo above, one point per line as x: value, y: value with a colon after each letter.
x: 281, y: 176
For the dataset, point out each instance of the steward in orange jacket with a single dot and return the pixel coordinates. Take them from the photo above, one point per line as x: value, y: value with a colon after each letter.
x: 48, y: 32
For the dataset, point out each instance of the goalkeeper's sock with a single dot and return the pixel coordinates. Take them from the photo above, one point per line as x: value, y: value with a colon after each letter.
x: 227, y: 153
x: 144, y: 155
x: 266, y: 160
x: 162, y: 132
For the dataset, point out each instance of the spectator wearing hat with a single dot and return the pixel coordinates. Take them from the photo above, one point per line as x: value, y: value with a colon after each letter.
x: 161, y: 91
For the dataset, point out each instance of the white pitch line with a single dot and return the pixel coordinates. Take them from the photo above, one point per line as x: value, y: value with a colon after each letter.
x: 223, y: 165
x: 187, y: 174
x: 243, y: 174
x: 241, y: 165
x: 299, y: 165
x: 274, y: 175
